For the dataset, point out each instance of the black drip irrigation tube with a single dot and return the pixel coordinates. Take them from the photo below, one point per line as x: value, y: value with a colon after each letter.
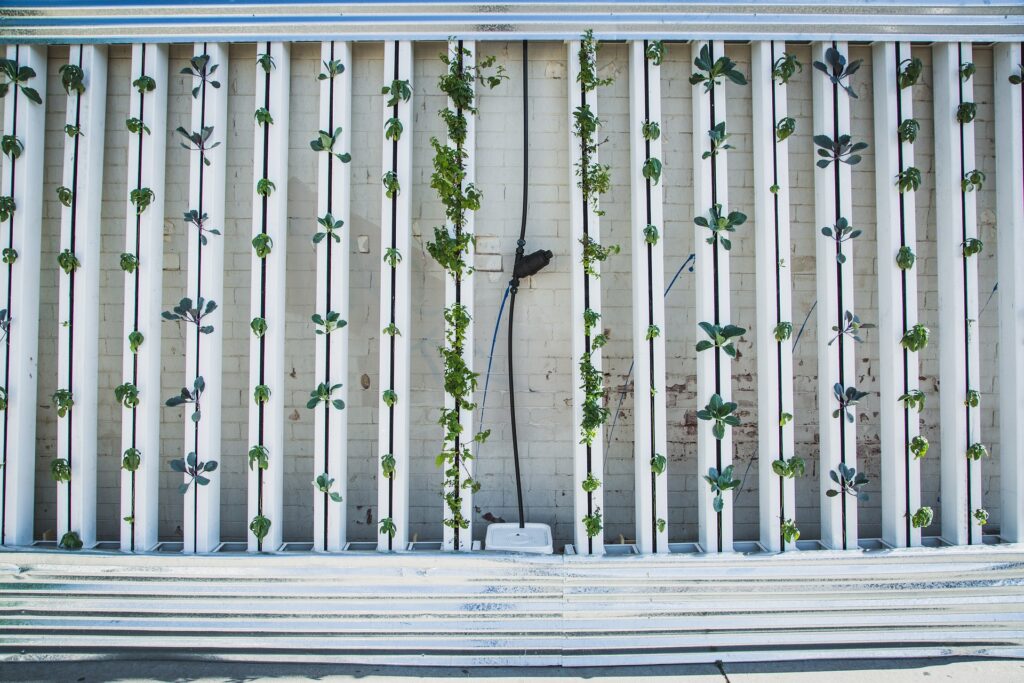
x: 525, y: 266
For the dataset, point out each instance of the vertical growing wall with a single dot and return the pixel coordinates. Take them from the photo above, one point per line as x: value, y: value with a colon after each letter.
x: 74, y: 469
x: 21, y: 209
x: 268, y: 293
x: 395, y: 300
x: 142, y: 262
x: 331, y: 241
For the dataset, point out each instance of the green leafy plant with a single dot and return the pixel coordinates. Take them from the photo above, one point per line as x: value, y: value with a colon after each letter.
x: 651, y: 169
x: 655, y: 52
x: 721, y: 337
x: 909, y: 179
x: 3, y: 399
x: 127, y: 395
x: 391, y: 186
x: 260, y: 527
x: 200, y: 68
x: 323, y: 484
x: 967, y: 69
x: 720, y: 413
x: 63, y: 401
x: 389, y: 397
x: 7, y: 208
x: 843, y: 150
x: 131, y: 459
x: 324, y: 394
x: 910, y: 72
x: 258, y: 326
x: 327, y: 323
x: 916, y: 338
x: 263, y: 117
x: 651, y: 130
x: 653, y: 332
x: 72, y: 131
x: 718, y: 137
x: 784, y: 128
x: 193, y: 217
x: 658, y: 463
x: 594, y: 253
x: 332, y: 68
x: 971, y: 247
x: 789, y: 469
x: 60, y: 470
x: 259, y: 457
x: 966, y: 112
x: 785, y: 418
x: 262, y: 244
x: 976, y: 451
x: 387, y: 465
x: 913, y: 399
x: 838, y: 70
x: 923, y: 518
x: 849, y: 481
x: 783, y: 331
x: 198, y: 141
x: 398, y: 91
x: 265, y: 187
x: 919, y: 447
x: 720, y: 225
x: 11, y: 74
x: 594, y: 178
x: 261, y: 394
x: 68, y: 262
x: 387, y: 526
x: 72, y: 78
x: 185, y: 312
x: 591, y: 483
x: 65, y: 195
x: 785, y: 67
x: 141, y: 198
x: 593, y: 523
x: 841, y: 232
x: 790, y: 532
x: 905, y: 258
x: 720, y: 482
x: 393, y: 129
x: 135, y: 339
x: 194, y: 469
x: 972, y: 180
x: 851, y: 327
x: 10, y: 256
x: 266, y: 62
x: 190, y: 397
x: 711, y: 73
x: 392, y: 330
x: 71, y: 541
x: 144, y: 84
x: 651, y: 235
x: 392, y: 257
x: 11, y: 146
x: 981, y: 516
x: 129, y: 262
x: 848, y: 397
x: 325, y: 142
x: 908, y: 130
x: 331, y: 228
x: 973, y: 399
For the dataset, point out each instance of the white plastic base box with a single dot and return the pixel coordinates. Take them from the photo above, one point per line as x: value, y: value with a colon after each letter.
x: 532, y: 537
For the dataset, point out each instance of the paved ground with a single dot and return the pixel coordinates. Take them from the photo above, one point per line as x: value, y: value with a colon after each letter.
x: 837, y: 671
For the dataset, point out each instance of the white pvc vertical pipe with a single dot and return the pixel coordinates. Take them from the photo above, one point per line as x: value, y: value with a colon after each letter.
x: 956, y: 221
x: 585, y: 459
x: 205, y: 277
x: 464, y: 297
x: 78, y: 340
x: 897, y: 298
x: 268, y: 293
x: 777, y: 495
x: 1010, y: 214
x: 710, y: 187
x: 19, y: 296
x: 650, y: 422
x: 838, y: 437
x: 396, y: 306
x: 330, y: 426
x: 143, y: 300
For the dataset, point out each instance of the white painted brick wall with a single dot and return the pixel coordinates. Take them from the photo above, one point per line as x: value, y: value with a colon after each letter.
x: 542, y: 352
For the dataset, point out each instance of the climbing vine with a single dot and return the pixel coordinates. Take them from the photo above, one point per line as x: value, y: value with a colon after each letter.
x: 449, y: 248
x: 593, y: 179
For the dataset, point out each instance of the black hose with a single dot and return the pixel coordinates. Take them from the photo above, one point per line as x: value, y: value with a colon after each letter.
x: 514, y: 284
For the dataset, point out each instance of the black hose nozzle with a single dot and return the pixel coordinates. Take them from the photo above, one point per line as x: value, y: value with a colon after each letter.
x: 531, y: 264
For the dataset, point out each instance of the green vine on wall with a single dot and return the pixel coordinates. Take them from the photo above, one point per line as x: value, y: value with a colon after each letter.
x: 450, y: 248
